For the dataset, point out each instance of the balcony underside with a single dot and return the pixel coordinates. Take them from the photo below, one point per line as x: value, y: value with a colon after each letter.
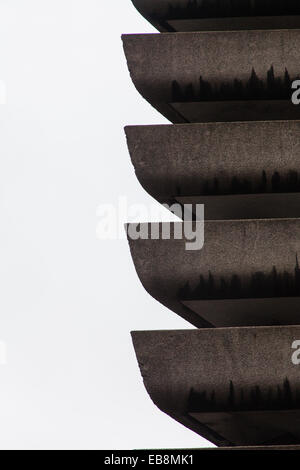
x: 188, y: 15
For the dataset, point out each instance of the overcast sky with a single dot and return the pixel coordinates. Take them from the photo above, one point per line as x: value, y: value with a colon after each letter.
x: 68, y: 301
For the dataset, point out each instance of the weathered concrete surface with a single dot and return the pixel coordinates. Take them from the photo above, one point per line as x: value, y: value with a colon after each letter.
x: 177, y: 15
x: 157, y: 61
x: 234, y: 386
x: 246, y: 274
x: 232, y: 168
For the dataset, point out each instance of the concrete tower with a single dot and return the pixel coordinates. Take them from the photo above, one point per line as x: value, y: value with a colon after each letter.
x: 222, y: 71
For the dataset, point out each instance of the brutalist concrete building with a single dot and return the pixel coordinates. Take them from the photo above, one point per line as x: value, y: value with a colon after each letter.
x: 222, y: 72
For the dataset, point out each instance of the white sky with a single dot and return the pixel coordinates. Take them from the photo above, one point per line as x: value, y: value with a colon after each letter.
x: 69, y: 301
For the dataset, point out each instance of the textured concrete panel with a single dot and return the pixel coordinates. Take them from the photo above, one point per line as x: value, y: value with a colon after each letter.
x: 188, y: 68
x: 234, y: 386
x: 240, y: 260
x: 238, y: 170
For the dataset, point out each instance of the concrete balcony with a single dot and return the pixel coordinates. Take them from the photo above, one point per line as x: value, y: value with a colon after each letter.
x: 239, y: 170
x: 217, y: 76
x: 234, y: 386
x: 246, y: 274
